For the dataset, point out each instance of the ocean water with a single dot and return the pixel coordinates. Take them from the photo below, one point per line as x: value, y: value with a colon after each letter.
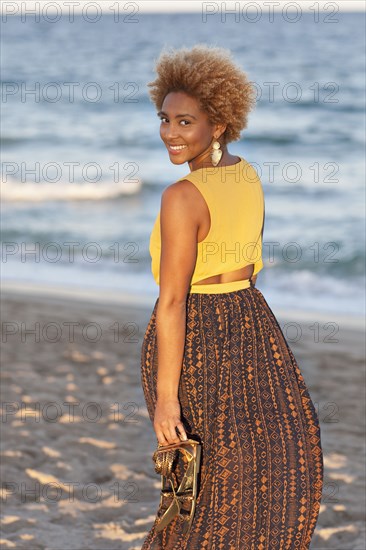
x: 83, y: 166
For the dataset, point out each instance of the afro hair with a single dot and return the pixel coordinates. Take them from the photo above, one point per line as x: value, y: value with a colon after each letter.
x: 208, y: 74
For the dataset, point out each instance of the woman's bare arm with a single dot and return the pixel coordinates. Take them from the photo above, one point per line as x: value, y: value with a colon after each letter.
x: 179, y: 226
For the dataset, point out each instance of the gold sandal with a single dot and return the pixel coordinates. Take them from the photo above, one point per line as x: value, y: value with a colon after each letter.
x: 186, y: 493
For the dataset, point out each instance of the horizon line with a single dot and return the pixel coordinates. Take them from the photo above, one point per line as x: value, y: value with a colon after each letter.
x: 108, y: 7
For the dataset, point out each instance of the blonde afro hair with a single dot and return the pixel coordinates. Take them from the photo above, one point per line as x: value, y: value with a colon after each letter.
x: 208, y: 74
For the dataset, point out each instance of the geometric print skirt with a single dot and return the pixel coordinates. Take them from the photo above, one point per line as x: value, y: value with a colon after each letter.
x: 242, y: 395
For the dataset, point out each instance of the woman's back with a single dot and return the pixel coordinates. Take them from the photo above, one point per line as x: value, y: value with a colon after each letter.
x: 235, y: 200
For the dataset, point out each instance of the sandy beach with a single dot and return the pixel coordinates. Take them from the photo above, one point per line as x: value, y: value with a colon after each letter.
x: 77, y: 441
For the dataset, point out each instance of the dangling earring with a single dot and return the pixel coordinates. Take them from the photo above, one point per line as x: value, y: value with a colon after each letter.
x: 216, y: 153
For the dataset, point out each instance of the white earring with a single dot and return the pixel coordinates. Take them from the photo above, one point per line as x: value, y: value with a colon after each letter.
x: 216, y: 153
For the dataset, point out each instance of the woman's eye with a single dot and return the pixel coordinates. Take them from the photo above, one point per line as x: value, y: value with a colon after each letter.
x: 183, y: 120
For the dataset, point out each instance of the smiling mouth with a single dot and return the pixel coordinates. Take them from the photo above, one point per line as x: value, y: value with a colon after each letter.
x: 177, y: 147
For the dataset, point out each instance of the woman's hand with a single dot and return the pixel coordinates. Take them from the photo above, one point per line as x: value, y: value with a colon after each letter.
x: 166, y: 419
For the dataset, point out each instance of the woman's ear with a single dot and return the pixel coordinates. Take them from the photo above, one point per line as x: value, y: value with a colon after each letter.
x: 220, y: 128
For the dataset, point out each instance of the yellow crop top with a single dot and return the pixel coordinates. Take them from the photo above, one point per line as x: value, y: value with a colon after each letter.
x: 235, y: 199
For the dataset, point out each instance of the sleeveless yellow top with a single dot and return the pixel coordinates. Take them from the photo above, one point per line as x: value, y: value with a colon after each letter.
x: 235, y: 199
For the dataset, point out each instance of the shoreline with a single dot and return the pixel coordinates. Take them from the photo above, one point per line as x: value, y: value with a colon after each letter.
x: 28, y: 290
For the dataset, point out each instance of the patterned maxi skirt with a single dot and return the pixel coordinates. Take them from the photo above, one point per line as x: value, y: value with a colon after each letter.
x: 243, y: 396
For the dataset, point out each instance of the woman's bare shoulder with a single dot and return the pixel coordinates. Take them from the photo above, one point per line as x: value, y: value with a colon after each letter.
x: 185, y: 190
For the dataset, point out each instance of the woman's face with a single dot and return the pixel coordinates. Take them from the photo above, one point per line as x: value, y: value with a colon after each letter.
x: 184, y: 124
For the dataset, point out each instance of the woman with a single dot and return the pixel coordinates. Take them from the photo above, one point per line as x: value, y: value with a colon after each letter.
x: 214, y: 362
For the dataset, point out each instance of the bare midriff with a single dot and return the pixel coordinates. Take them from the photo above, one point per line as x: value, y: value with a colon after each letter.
x: 243, y: 273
